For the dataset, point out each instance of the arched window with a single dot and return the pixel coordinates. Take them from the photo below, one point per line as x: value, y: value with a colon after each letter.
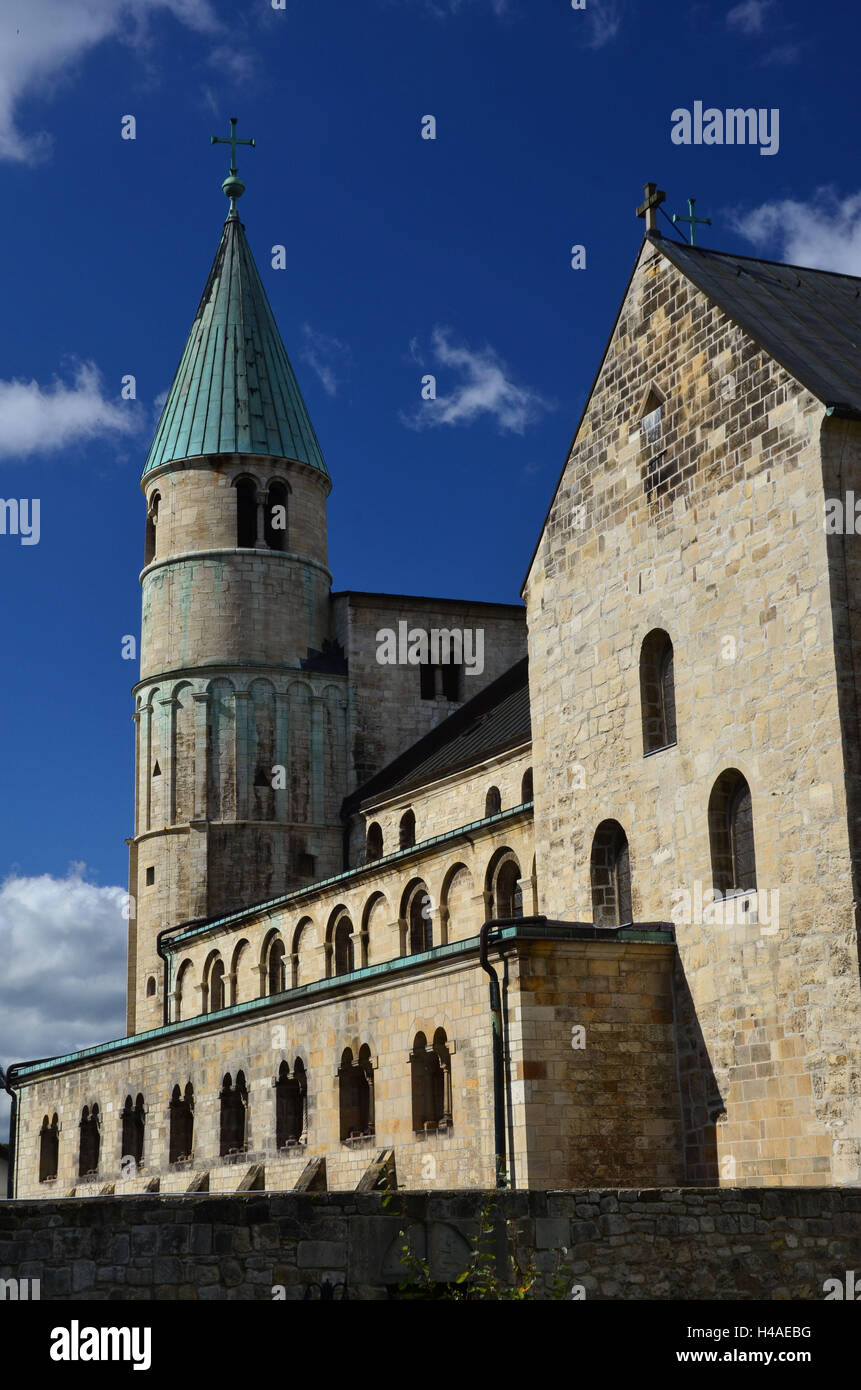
x: 492, y: 802
x: 234, y: 1111
x: 277, y: 972
x: 88, y: 1154
x: 216, y: 986
x: 344, y: 950
x: 183, y: 1006
x: 731, y: 834
x: 430, y: 1070
x: 275, y: 517
x: 504, y: 883
x: 526, y: 786
x: 246, y: 513
x: 151, y: 525
x: 133, y: 1131
x: 611, y: 876
x: 150, y: 987
x: 49, y: 1149
x: 291, y: 1094
x: 356, y: 1094
x: 657, y: 692
x: 374, y: 842
x: 407, y: 830
x: 181, y: 1125
x: 419, y: 918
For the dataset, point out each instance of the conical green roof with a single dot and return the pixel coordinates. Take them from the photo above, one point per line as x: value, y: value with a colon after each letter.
x: 234, y: 390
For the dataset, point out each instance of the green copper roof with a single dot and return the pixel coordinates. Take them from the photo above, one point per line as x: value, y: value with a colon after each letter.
x: 234, y: 390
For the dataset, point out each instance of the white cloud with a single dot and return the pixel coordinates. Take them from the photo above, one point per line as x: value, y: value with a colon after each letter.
x: 749, y: 17
x: 233, y: 62
x: 486, y: 388
x: 603, y: 20
x: 62, y: 983
x: 824, y: 233
x: 38, y: 419
x: 329, y: 358
x: 41, y: 39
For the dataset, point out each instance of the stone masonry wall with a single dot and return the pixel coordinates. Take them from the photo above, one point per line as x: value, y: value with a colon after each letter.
x: 654, y: 1244
x: 713, y: 533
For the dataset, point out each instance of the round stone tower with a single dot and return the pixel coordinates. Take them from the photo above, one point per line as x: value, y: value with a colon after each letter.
x: 241, y: 706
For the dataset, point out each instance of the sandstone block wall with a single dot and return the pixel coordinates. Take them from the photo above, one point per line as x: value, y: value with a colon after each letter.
x: 389, y: 714
x: 714, y: 534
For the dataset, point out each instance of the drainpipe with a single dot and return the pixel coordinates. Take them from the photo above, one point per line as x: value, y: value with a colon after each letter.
x: 498, y: 1075
x: 13, y: 1134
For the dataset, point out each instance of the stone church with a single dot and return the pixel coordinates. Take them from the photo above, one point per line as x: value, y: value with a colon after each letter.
x: 585, y: 917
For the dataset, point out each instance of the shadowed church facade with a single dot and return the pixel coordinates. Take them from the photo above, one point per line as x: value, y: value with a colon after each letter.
x: 586, y: 918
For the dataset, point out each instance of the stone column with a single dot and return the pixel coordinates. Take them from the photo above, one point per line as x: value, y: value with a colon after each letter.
x: 282, y: 754
x: 241, y: 743
x: 201, y: 761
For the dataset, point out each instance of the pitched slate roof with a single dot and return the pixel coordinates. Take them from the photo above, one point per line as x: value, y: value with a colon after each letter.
x: 807, y: 320
x: 495, y: 719
x: 234, y: 389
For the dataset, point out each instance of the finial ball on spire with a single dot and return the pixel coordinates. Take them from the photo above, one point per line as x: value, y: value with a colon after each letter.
x: 232, y: 185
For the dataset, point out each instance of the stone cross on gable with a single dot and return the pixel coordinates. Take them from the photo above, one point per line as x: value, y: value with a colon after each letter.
x: 649, y: 207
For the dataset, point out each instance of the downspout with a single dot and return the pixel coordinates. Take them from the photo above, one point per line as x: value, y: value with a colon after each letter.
x: 498, y: 1057
x: 13, y: 1135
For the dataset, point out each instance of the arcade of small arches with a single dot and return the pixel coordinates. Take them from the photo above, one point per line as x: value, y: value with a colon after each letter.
x: 351, y: 940
x: 261, y: 515
x: 209, y: 751
x: 432, y: 1111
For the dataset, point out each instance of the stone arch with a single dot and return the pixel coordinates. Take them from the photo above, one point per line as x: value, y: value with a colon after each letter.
x: 299, y: 770
x: 242, y: 982
x: 457, y: 906
x: 133, y: 1119
x: 301, y: 970
x: 181, y: 1116
x: 416, y: 918
x: 407, y: 829
x: 373, y: 842
x: 151, y: 538
x: 373, y: 945
x: 291, y: 1105
x: 276, y: 517
x: 214, y: 983
x: 184, y: 753
x: 356, y: 1093
x: 272, y: 965
x: 262, y: 753
x: 492, y: 802
x: 49, y: 1149
x: 233, y: 1099
x: 526, y: 787
x: 657, y: 691
x: 220, y: 747
x: 731, y: 837
x: 610, y: 871
x: 502, y: 892
x: 183, y: 1001
x: 90, y: 1141
x: 339, y: 942
x: 246, y: 487
x: 430, y: 1075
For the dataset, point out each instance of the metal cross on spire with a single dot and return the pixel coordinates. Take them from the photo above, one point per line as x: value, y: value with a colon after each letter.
x: 232, y: 185
x: 694, y: 221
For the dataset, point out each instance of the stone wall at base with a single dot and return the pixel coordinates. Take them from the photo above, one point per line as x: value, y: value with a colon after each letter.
x: 750, y: 1243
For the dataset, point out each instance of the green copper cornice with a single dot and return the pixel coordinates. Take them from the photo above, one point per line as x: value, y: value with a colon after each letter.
x: 234, y: 391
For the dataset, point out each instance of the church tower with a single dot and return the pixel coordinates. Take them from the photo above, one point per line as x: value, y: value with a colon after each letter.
x: 241, y: 706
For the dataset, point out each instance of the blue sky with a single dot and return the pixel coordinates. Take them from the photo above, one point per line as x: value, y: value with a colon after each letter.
x: 404, y: 256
